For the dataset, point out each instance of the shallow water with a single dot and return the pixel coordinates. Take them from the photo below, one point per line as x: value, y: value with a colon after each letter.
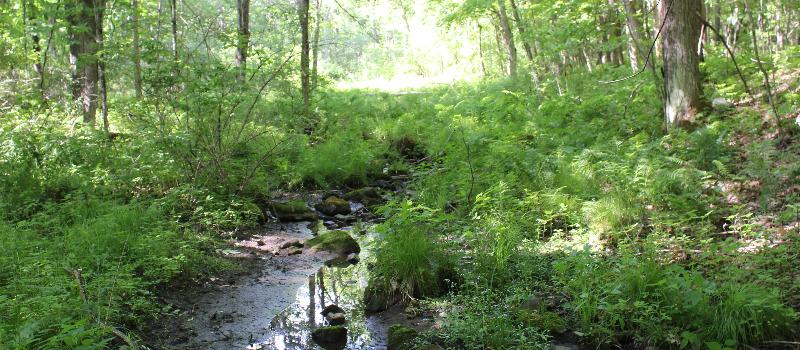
x: 292, y: 328
x: 278, y: 304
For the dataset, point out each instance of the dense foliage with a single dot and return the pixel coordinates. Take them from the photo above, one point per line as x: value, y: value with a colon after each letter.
x: 542, y: 200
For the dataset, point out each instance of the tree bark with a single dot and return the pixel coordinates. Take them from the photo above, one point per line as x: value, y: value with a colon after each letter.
x: 243, y: 38
x: 682, y: 79
x: 174, y: 20
x: 302, y: 12
x: 83, y: 55
x: 315, y: 47
x: 101, y: 65
x: 137, y: 52
x: 508, y: 37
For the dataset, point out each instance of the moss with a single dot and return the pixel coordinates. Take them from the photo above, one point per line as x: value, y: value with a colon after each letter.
x: 401, y: 337
x: 330, y: 337
x: 293, y: 210
x: 333, y: 206
x: 338, y: 242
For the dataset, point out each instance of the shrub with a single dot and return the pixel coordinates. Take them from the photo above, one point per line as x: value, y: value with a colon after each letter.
x: 407, y: 258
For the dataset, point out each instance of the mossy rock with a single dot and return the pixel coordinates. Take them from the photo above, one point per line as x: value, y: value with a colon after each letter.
x: 331, y: 337
x: 333, y: 205
x: 367, y: 196
x: 545, y: 320
x: 379, y: 297
x: 337, y: 242
x: 401, y: 337
x: 294, y: 210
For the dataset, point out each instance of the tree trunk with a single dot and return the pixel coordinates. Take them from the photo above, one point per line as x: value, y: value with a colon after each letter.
x: 83, y: 55
x: 617, y: 56
x: 37, y: 49
x: 174, y: 20
x: 302, y: 12
x: 243, y: 38
x: 508, y: 37
x: 101, y: 65
x: 759, y: 63
x: 315, y: 47
x: 521, y: 30
x: 642, y: 52
x: 137, y: 52
x: 681, y: 62
x: 480, y: 49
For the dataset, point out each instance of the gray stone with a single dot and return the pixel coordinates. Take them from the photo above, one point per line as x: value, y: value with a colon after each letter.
x: 721, y: 104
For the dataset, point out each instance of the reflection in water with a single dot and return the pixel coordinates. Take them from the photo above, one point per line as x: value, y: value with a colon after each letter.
x: 340, y: 285
x: 292, y: 328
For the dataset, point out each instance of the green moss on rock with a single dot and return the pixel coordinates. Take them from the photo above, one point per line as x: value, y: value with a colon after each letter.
x: 331, y: 337
x: 334, y: 206
x: 293, y: 210
x: 401, y: 337
x: 337, y: 242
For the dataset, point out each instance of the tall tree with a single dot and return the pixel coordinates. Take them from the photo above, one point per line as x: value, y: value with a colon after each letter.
x: 521, y: 29
x: 83, y: 51
x: 508, y: 36
x: 302, y: 12
x: 174, y: 20
x: 315, y: 45
x: 99, y: 38
x: 137, y: 52
x: 243, y: 37
x: 632, y: 9
x: 680, y: 34
x: 37, y: 47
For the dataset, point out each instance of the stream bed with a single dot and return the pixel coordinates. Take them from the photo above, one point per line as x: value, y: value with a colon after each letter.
x: 276, y: 304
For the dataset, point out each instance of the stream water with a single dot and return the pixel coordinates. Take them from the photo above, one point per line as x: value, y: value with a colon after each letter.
x: 277, y: 305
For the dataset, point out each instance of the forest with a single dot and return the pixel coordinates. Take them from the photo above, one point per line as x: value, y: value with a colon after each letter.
x: 400, y: 174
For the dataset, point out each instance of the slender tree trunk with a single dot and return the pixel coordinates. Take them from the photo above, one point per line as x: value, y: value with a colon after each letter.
x: 243, y: 38
x: 174, y: 20
x: 617, y: 57
x: 767, y: 83
x: 587, y: 59
x: 718, y: 15
x: 502, y: 55
x: 302, y: 12
x: 632, y: 8
x: 521, y: 28
x: 480, y: 49
x: 37, y: 47
x: 101, y: 65
x: 656, y: 27
x: 681, y: 62
x: 315, y: 47
x: 137, y: 52
x: 508, y: 37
